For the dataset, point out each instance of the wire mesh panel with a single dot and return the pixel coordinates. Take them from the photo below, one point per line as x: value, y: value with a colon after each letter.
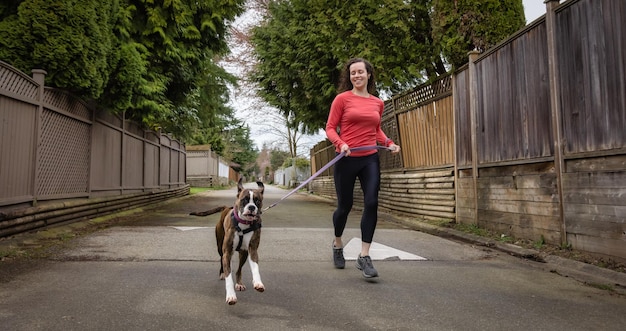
x: 60, y: 99
x: 423, y: 94
x: 17, y: 83
x: 389, y: 125
x: 63, y: 155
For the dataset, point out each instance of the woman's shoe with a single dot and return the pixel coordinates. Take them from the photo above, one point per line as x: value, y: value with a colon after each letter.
x: 364, y: 263
x: 338, y: 258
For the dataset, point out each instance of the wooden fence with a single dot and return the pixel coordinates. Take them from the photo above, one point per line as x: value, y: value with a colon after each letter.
x: 54, y: 147
x: 207, y: 169
x: 535, y: 144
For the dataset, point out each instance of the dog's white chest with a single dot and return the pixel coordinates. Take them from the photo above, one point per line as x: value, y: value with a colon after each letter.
x: 245, y: 239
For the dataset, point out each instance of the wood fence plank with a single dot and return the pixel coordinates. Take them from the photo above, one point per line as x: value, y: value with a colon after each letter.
x: 542, y: 223
x: 609, y: 212
x: 607, y: 180
x: 595, y: 196
x: 596, y: 228
x: 514, y: 207
x: 521, y: 195
x: 606, y: 163
x: 518, y: 182
x: 604, y: 246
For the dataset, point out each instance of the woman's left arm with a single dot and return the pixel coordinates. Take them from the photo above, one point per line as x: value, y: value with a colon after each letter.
x: 381, y: 137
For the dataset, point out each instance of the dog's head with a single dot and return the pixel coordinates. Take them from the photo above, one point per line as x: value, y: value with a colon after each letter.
x: 249, y: 201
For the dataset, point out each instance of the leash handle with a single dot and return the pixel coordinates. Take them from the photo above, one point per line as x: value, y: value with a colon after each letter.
x: 328, y: 165
x: 363, y: 148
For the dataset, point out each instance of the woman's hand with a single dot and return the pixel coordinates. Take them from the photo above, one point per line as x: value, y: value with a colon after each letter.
x: 394, y: 148
x: 345, y: 149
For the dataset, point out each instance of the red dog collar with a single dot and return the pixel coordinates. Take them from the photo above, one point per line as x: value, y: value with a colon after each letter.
x: 239, y: 220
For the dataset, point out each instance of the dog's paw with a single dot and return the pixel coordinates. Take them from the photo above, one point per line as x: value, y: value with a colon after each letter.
x: 231, y: 300
x: 259, y: 287
x: 240, y: 287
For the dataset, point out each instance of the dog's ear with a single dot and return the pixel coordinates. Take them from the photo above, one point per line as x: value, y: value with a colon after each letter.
x: 261, y: 187
x: 239, y: 186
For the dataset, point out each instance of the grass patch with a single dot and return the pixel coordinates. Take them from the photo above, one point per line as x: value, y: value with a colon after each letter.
x: 194, y: 190
x: 10, y: 253
x: 604, y: 287
x: 442, y: 222
x: 66, y: 236
x: 473, y: 229
x: 14, y: 253
x: 540, y: 243
x: 506, y: 239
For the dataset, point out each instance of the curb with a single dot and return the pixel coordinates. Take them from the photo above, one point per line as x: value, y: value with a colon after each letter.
x: 583, y: 272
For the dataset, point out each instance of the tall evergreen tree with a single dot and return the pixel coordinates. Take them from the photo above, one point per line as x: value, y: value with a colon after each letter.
x: 182, y: 39
x: 302, y: 44
x: 462, y: 26
x: 72, y: 40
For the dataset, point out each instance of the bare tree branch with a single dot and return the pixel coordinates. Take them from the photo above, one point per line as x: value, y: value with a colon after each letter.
x: 244, y: 98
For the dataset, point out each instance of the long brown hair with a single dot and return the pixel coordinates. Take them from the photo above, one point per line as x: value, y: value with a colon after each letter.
x: 344, y: 80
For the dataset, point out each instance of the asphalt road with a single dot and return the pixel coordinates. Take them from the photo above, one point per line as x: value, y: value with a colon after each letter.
x: 158, y: 270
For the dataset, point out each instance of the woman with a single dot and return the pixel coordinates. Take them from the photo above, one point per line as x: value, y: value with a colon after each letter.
x: 354, y: 121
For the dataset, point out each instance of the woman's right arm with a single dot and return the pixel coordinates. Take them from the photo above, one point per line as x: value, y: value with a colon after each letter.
x: 334, y: 119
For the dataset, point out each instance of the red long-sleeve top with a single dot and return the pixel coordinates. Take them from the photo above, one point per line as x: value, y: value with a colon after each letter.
x: 358, y: 120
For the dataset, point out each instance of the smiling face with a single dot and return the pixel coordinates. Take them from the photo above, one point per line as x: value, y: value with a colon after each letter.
x: 359, y: 76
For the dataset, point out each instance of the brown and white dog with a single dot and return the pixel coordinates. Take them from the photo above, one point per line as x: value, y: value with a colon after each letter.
x: 239, y: 229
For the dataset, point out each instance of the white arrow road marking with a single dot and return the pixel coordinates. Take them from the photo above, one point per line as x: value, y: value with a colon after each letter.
x: 189, y: 228
x: 377, y: 252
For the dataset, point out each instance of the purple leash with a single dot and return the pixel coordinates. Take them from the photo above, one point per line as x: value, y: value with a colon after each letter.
x: 328, y: 165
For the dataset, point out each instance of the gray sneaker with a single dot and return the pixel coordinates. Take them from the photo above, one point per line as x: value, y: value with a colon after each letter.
x: 338, y: 258
x: 364, y: 263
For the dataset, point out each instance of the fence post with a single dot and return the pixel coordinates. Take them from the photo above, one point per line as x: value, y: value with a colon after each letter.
x: 555, y: 107
x: 39, y: 76
x: 144, y: 164
x: 473, y: 86
x: 123, y: 153
x: 455, y: 137
x: 184, y: 169
x: 158, y: 134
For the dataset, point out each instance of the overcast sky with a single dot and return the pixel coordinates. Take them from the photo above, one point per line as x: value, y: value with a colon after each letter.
x: 533, y: 9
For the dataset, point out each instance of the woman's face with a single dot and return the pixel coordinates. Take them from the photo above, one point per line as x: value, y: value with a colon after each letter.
x: 359, y: 75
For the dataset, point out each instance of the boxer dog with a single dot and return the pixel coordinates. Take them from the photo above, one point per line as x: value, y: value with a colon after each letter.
x: 239, y: 229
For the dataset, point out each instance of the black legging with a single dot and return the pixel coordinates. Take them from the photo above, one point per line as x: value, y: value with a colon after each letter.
x: 367, y: 170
